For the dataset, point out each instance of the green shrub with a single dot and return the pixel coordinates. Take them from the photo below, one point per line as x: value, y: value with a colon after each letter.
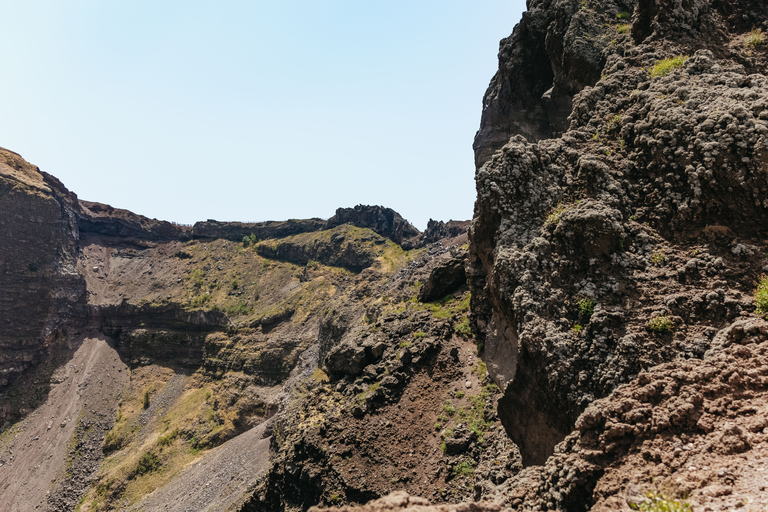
x: 578, y: 328
x: 666, y: 66
x: 464, y: 328
x: 661, y: 323
x: 658, y: 257
x: 466, y: 468
x: 622, y: 29
x: 459, y: 394
x: 449, y: 409
x: 761, y: 296
x: 147, y: 463
x: 755, y: 38
x: 113, y: 441
x: 657, y: 502
x: 405, y: 344
x: 146, y: 399
x: 417, y: 335
x: 623, y: 15
x: 586, y: 306
x: 554, y: 216
x: 239, y: 309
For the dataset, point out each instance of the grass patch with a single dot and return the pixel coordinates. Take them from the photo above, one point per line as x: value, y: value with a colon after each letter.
x: 658, y: 257
x: 623, y: 15
x: 666, y: 66
x: 320, y: 376
x: 553, y: 217
x: 755, y: 38
x: 464, y: 469
x: 622, y: 29
x: 147, y: 463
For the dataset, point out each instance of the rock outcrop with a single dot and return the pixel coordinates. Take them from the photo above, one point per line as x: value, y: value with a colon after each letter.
x: 557, y: 49
x: 384, y: 221
x: 235, y: 231
x: 652, y: 204
x: 104, y: 220
x: 38, y: 249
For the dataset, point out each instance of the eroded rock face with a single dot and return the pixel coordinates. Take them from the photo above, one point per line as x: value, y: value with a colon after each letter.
x: 556, y: 50
x: 651, y: 204
x: 102, y: 219
x: 38, y: 249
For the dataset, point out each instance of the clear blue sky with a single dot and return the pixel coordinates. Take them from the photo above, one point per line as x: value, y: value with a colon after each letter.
x: 251, y: 110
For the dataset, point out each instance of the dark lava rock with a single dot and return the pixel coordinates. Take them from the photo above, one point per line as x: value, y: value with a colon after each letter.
x: 384, y: 221
x: 102, y: 219
x: 446, y: 276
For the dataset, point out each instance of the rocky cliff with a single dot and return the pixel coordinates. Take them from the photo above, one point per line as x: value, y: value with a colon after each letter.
x: 41, y: 288
x: 627, y: 233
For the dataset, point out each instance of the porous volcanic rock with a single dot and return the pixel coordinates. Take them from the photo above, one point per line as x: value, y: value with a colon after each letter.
x: 557, y: 49
x: 652, y: 204
x: 697, y: 427
x: 438, y: 229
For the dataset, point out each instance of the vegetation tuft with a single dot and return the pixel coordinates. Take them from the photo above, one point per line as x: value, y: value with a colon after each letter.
x: 586, y: 306
x: 761, y: 296
x: 661, y: 323
x: 666, y: 66
x: 755, y: 38
x: 657, y: 502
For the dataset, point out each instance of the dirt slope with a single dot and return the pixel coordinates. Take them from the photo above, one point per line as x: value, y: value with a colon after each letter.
x: 219, y: 481
x: 37, y: 454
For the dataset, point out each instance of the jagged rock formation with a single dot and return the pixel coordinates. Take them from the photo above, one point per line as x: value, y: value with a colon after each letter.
x: 438, y: 230
x: 701, y: 424
x: 557, y: 49
x: 652, y: 204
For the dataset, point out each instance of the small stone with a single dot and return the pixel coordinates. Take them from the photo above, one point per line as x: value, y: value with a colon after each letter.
x: 468, y: 384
